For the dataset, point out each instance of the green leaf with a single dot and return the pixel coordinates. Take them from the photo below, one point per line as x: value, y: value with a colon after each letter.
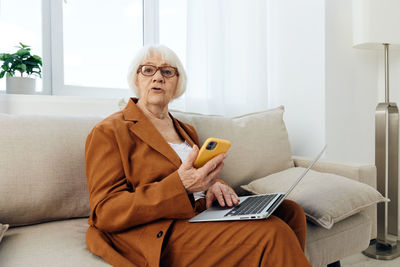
x: 37, y: 58
x: 7, y: 58
x: 5, y: 67
x: 22, y: 45
x: 4, y: 56
x: 21, y: 67
x: 2, y: 74
x: 21, y: 52
x: 37, y: 72
x: 32, y: 63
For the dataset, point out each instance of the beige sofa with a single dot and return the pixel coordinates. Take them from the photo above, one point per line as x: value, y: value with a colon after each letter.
x: 44, y: 199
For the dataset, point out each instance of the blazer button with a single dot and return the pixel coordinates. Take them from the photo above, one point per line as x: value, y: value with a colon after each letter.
x: 159, y: 234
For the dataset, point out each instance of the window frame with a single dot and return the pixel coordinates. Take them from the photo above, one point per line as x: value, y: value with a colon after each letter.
x: 53, y: 50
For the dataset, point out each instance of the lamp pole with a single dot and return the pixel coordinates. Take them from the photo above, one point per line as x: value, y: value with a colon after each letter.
x: 386, y: 160
x: 386, y: 51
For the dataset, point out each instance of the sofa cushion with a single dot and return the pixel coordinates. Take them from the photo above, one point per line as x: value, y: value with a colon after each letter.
x: 260, y: 144
x: 42, y: 167
x: 60, y: 243
x: 338, y: 197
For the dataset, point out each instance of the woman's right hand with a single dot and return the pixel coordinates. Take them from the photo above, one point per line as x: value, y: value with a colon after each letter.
x: 195, y: 180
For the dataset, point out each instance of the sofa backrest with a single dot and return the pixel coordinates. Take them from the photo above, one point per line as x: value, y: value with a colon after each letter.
x: 260, y: 143
x: 42, y: 164
x: 42, y: 167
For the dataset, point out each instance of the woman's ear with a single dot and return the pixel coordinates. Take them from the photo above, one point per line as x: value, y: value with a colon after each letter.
x: 136, y: 80
x: 137, y: 85
x: 176, y: 90
x: 135, y: 88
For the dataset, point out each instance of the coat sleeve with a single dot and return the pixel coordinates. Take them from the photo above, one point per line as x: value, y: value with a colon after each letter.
x: 115, y: 205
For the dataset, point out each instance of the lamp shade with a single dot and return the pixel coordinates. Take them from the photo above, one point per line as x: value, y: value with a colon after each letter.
x: 376, y: 22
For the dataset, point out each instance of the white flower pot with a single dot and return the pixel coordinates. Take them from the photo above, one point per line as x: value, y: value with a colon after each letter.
x: 20, y: 85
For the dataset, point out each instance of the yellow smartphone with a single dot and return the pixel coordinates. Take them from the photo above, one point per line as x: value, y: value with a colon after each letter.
x: 211, y: 148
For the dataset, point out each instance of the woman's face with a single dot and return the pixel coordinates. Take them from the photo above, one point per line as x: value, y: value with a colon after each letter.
x: 156, y: 89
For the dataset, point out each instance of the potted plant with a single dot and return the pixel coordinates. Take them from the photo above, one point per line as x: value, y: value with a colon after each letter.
x: 26, y: 64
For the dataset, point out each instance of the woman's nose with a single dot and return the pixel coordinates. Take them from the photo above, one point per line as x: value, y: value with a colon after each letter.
x: 157, y: 77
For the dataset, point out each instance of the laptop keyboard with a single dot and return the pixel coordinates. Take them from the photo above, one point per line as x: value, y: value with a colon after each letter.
x: 251, y: 205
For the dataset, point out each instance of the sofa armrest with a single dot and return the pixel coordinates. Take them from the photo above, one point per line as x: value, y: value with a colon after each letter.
x: 364, y: 173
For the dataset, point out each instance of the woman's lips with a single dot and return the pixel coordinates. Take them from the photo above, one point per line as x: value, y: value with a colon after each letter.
x: 156, y: 88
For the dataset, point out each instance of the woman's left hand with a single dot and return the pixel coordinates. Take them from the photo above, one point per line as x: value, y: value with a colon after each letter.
x: 223, y: 193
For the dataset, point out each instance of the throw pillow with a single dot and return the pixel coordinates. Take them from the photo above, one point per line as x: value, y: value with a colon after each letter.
x: 326, y: 198
x: 42, y: 167
x: 3, y: 229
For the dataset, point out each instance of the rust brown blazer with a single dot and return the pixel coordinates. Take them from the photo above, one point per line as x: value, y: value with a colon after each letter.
x: 135, y: 192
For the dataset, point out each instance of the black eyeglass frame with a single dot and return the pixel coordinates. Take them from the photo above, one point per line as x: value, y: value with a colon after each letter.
x: 157, y: 68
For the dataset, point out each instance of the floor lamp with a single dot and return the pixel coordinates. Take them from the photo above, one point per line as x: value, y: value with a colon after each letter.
x: 376, y: 25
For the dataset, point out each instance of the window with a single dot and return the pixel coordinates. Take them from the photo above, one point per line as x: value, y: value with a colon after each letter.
x: 25, y: 28
x: 93, y: 43
x: 100, y: 39
x: 88, y: 45
x: 173, y: 26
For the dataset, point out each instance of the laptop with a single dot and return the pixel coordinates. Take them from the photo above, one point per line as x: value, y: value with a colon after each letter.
x: 251, y: 207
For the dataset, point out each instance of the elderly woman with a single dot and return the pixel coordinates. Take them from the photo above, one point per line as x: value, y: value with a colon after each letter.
x: 143, y: 187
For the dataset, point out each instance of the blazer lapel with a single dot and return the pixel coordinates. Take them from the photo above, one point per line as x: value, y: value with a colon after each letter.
x: 148, y: 133
x: 181, y: 130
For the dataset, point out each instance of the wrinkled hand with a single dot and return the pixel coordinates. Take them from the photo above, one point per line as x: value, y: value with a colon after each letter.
x: 223, y: 193
x: 195, y: 180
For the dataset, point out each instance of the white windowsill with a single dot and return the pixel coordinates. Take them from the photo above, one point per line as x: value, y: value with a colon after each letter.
x: 58, y: 105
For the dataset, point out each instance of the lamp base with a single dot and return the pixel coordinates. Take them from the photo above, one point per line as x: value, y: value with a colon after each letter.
x: 380, y: 252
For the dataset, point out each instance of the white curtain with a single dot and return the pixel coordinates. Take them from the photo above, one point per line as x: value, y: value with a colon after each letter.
x: 226, y: 56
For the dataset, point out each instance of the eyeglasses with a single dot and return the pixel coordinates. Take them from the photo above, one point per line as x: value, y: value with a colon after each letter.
x: 150, y: 70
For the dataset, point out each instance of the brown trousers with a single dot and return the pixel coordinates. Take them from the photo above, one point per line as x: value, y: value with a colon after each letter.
x: 276, y: 241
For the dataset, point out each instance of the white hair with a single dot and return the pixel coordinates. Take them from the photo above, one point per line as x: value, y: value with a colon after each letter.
x: 168, y: 56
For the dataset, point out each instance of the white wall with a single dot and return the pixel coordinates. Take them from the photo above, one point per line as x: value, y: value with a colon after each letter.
x: 351, y: 77
x: 330, y: 89
x: 297, y: 72
x: 394, y: 77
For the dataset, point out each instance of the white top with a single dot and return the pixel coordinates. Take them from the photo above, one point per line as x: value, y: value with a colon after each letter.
x: 183, y: 150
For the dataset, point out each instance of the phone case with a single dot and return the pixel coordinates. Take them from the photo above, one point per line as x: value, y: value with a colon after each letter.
x: 211, y: 148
